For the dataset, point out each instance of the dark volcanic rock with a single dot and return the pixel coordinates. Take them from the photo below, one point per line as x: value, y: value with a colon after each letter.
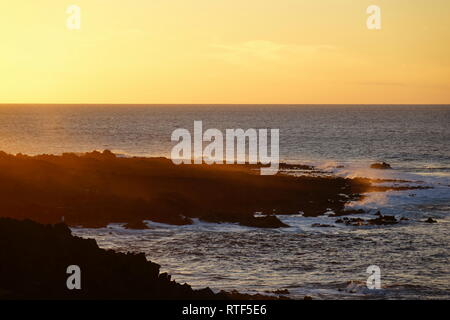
x: 382, y: 165
x: 93, y: 224
x: 382, y: 220
x: 358, y: 222
x: 430, y: 220
x: 34, y: 260
x: 279, y: 291
x: 287, y: 166
x: 136, y: 225
x: 347, y: 212
x: 98, y: 188
x: 268, y: 221
x: 264, y: 222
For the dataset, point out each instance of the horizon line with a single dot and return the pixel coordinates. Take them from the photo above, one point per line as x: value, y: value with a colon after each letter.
x: 225, y: 104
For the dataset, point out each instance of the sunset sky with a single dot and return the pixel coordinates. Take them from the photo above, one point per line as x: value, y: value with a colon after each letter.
x: 225, y: 51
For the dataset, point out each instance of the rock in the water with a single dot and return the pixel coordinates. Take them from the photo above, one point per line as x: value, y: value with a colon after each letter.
x: 430, y: 220
x: 347, y: 212
x: 279, y: 291
x: 270, y: 221
x: 136, y: 225
x: 382, y: 220
x: 358, y: 222
x: 382, y: 165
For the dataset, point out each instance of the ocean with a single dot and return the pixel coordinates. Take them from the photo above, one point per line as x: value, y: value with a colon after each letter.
x: 320, y: 262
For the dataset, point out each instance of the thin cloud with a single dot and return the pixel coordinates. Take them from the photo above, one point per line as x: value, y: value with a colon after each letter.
x: 262, y: 50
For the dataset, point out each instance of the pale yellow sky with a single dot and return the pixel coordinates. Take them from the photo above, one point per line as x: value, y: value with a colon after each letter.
x: 225, y: 51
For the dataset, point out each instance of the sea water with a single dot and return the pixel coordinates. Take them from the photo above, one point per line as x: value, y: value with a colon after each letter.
x: 321, y: 262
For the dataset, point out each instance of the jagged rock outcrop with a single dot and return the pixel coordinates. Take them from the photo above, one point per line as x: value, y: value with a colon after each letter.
x: 381, y: 165
x: 34, y: 259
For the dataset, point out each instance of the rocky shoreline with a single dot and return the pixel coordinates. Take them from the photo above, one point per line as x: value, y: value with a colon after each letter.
x: 34, y: 259
x: 98, y: 188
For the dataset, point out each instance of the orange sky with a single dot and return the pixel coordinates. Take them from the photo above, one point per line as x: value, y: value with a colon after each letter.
x: 225, y: 51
